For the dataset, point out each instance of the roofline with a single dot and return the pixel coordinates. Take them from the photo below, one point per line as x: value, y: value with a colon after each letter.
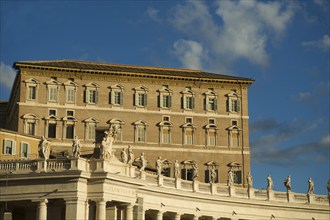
x: 33, y: 65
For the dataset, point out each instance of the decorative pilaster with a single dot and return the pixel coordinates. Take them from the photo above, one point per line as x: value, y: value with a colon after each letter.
x: 75, y: 208
x: 195, y: 186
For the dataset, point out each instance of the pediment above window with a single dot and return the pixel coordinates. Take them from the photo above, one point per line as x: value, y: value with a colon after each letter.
x: 188, y: 125
x: 52, y: 117
x: 92, y: 84
x: 53, y: 82
x: 70, y: 83
x: 30, y: 116
x: 211, y: 163
x: 165, y: 90
x: 188, y: 162
x: 208, y: 126
x: 234, y: 165
x: 69, y: 118
x: 117, y: 86
x: 188, y: 91
x: 141, y: 88
x: 140, y: 122
x: 210, y: 93
x: 232, y: 94
x: 234, y: 127
x: 115, y: 121
x: 91, y: 120
x: 32, y: 81
x: 165, y: 124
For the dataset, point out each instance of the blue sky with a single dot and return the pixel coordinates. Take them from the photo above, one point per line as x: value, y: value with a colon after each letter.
x: 283, y: 45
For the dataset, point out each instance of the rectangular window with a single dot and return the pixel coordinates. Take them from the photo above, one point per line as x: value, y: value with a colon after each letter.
x: 52, y: 130
x: 189, y: 120
x: 211, y: 121
x: 32, y: 92
x: 166, y: 118
x: 52, y: 111
x: 69, y: 113
x: 211, y: 137
x: 141, y: 99
x: 70, y: 95
x: 69, y: 131
x: 187, y: 174
x: 166, y: 101
x: 91, y: 131
x: 238, y: 177
x: 165, y: 136
x: 235, y: 105
x: 141, y: 134
x: 234, y: 123
x: 189, y: 102
x: 189, y: 137
x: 52, y: 94
x: 25, y: 150
x: 30, y: 128
x: 92, y: 96
x: 234, y: 139
x: 9, y: 147
x: 167, y: 171
x: 211, y: 105
x: 208, y: 176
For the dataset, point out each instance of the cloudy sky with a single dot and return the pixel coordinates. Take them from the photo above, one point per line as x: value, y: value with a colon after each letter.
x: 283, y: 45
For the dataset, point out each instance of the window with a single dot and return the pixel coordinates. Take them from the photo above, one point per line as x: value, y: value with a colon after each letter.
x: 91, y: 93
x: 52, y: 94
x: 25, y: 150
x: 234, y: 136
x: 70, y: 91
x: 9, y: 147
x: 52, y: 130
x: 211, y: 133
x: 165, y: 97
x: 140, y: 131
x: 211, y: 121
x: 53, y: 87
x: 210, y: 100
x: 188, y: 137
x: 116, y: 95
x: 52, y: 112
x: 69, y: 131
x: 32, y: 92
x: 30, y: 123
x: 69, y: 113
x: 189, y: 120
x: 237, y: 177
x: 233, y: 102
x: 31, y: 86
x: 140, y: 96
x: 234, y: 123
x: 165, y: 127
x: 90, y: 128
x: 234, y: 139
x: 236, y: 168
x: 188, y: 99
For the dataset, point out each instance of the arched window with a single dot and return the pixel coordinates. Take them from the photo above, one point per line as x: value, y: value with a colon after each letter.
x: 140, y: 97
x: 30, y: 123
x: 90, y: 128
x: 140, y: 131
x: 118, y: 125
x: 116, y: 95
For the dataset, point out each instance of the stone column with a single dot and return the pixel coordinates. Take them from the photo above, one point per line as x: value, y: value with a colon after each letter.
x: 100, y: 210
x: 86, y: 209
x: 159, y: 215
x: 42, y: 210
x: 129, y: 212
x: 112, y: 212
x: 196, y: 217
x: 75, y: 208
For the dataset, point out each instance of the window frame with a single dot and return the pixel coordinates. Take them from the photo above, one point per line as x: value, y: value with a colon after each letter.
x: 7, y: 148
x: 140, y: 97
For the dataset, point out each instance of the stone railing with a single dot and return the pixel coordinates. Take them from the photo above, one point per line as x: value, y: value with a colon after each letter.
x: 118, y: 168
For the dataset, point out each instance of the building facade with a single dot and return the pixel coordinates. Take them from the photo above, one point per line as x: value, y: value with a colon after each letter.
x: 179, y: 114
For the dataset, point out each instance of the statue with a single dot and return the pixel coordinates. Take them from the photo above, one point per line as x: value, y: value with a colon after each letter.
x: 102, y: 148
x: 213, y: 175
x: 159, y: 164
x: 130, y: 155
x: 44, y: 148
x: 310, y: 186
x: 270, y: 183
x: 108, y: 140
x: 76, y: 147
x: 230, y: 178
x: 123, y: 155
x: 287, y: 183
x: 249, y: 180
x: 143, y: 162
x: 195, y: 172
x: 176, y: 169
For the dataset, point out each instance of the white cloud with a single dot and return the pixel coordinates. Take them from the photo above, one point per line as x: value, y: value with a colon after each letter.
x: 153, y: 14
x: 190, y: 53
x: 323, y: 43
x: 7, y: 75
x: 231, y: 30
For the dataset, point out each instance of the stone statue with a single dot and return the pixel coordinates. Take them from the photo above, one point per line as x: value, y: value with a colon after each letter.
x: 230, y: 180
x: 159, y: 164
x: 213, y: 175
x: 287, y: 183
x: 176, y: 169
x: 130, y: 155
x: 195, y: 172
x: 44, y: 148
x: 270, y: 183
x: 249, y: 180
x: 310, y: 186
x: 143, y: 162
x: 76, y: 147
x: 108, y: 140
x: 102, y: 148
x: 123, y: 155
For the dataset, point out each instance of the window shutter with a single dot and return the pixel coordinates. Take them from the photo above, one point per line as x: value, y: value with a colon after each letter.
x: 227, y: 105
x: 215, y: 104
x: 169, y: 101
x: 145, y: 99
x: 158, y: 101
x: 121, y: 99
x: 28, y: 151
x: 182, y: 102
x: 96, y: 96
x: 205, y: 103
x: 4, y: 147
x: 134, y: 99
x: 238, y: 106
x: 13, y: 152
x: 207, y: 176
x: 21, y: 152
x: 192, y: 102
x: 85, y: 96
x: 111, y: 97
